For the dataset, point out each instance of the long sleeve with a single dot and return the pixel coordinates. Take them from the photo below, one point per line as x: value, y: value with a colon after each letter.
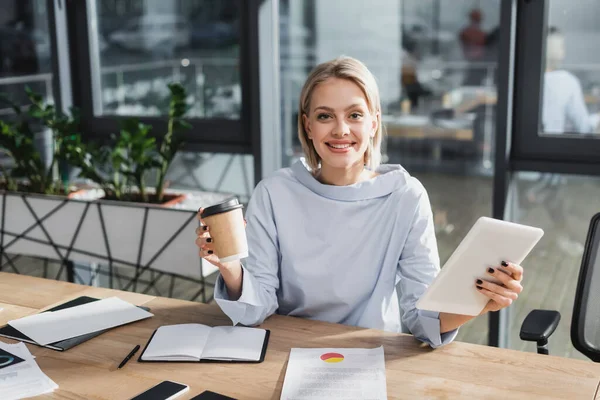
x: 418, y: 266
x: 260, y: 270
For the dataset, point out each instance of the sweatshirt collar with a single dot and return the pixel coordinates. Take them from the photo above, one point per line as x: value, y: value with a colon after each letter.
x: 390, y: 178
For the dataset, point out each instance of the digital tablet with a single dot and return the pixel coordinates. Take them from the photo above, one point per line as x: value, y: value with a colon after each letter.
x: 488, y: 243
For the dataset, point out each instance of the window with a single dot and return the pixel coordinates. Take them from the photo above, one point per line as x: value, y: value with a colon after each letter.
x: 571, y: 78
x: 555, y: 150
x: 562, y: 205
x: 129, y: 51
x: 557, y: 85
x: 135, y: 51
x: 25, y: 51
x: 436, y: 66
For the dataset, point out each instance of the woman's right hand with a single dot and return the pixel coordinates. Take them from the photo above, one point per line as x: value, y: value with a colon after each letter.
x: 231, y: 272
x: 206, y: 246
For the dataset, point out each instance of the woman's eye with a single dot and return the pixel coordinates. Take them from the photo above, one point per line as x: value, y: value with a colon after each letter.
x: 322, y: 116
x: 355, y: 115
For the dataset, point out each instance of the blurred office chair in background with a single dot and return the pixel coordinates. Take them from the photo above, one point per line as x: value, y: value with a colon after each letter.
x: 539, y: 325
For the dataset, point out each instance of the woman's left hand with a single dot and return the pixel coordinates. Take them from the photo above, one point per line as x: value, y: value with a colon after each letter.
x: 503, y: 294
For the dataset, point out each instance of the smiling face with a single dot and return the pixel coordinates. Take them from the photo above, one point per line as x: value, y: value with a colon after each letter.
x: 339, y: 123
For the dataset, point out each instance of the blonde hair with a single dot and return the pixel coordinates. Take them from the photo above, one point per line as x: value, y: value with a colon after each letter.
x: 355, y: 71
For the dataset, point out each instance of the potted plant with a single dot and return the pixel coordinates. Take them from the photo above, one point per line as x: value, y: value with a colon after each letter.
x: 17, y: 138
x: 128, y: 226
x: 122, y: 168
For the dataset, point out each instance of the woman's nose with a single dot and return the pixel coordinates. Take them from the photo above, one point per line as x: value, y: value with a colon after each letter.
x: 341, y: 129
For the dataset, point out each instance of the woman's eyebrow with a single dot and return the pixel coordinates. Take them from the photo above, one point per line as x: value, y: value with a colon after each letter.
x: 329, y: 109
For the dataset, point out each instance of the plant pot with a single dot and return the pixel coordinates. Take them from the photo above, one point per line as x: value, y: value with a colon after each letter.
x: 79, y: 193
x: 86, y: 194
x: 101, y: 231
x: 169, y: 199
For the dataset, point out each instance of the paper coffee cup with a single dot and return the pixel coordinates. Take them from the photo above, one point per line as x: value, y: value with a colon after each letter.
x: 227, y: 229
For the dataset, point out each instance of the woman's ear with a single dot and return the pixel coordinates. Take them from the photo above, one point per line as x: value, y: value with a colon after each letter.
x: 375, y: 123
x: 306, y: 123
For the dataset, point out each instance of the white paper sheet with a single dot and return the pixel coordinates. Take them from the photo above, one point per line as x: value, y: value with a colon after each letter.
x: 181, y: 342
x: 351, y: 374
x: 234, y: 343
x: 50, y: 327
x: 25, y: 379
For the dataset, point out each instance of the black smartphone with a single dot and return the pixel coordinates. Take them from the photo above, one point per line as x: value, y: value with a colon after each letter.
x: 208, y: 395
x: 165, y: 390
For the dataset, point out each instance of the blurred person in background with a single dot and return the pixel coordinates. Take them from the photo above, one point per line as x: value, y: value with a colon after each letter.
x: 409, y: 78
x: 563, y: 108
x: 563, y: 112
x: 473, y: 39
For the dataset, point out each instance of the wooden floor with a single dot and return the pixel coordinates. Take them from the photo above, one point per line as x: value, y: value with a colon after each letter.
x: 563, y: 212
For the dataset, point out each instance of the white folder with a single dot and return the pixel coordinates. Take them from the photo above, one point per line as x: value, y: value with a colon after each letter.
x: 51, y: 327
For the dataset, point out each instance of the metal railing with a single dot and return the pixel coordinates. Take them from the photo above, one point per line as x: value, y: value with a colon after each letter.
x: 25, y: 79
x: 176, y: 66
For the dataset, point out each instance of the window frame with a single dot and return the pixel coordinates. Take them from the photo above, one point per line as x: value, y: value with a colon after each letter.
x: 207, y: 134
x: 532, y: 149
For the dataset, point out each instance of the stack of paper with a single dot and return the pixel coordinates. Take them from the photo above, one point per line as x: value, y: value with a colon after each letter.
x: 20, y: 376
x: 353, y: 374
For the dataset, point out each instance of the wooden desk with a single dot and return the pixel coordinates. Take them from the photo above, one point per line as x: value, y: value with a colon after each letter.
x: 428, y: 132
x: 88, y: 371
x: 491, y: 100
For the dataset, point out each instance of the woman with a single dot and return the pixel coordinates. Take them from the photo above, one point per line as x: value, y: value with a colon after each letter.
x: 332, y: 236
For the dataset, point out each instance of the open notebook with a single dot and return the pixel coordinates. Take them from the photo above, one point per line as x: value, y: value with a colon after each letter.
x: 202, y: 343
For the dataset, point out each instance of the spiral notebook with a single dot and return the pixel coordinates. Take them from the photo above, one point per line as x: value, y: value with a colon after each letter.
x: 202, y: 343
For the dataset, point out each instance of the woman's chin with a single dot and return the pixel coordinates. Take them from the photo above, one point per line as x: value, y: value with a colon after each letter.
x: 340, y: 162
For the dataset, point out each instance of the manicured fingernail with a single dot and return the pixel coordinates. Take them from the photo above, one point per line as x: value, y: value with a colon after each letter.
x: 491, y: 270
x: 504, y: 264
x: 479, y: 281
x: 210, y: 252
x: 478, y: 287
x: 208, y: 240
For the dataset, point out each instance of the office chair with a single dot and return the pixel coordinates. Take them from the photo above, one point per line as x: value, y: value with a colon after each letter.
x: 585, y: 325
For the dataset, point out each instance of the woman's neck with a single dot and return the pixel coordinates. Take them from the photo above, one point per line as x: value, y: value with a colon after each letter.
x: 343, y: 176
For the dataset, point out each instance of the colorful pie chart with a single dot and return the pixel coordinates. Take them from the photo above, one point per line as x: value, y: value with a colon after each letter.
x: 332, y: 357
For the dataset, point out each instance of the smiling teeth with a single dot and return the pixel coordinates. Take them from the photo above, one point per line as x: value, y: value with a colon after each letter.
x: 340, y: 146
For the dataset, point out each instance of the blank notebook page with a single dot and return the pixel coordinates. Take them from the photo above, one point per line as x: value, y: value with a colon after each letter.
x: 178, y: 342
x: 234, y: 343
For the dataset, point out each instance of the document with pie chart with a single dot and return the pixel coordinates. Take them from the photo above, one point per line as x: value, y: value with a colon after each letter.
x: 335, y: 374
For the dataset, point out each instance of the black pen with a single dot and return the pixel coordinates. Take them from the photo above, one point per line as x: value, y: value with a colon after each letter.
x: 131, y: 353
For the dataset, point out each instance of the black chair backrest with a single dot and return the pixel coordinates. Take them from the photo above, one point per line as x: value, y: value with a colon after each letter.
x: 585, y: 325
